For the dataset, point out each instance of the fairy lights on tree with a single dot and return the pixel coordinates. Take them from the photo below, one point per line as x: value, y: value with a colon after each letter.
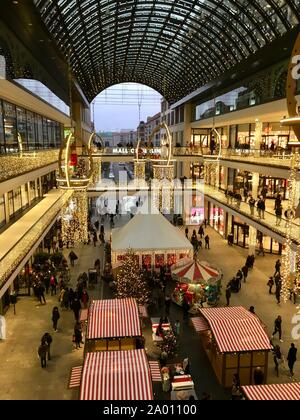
x: 130, y: 280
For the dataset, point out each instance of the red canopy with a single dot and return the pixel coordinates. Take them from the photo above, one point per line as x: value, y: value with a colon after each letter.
x: 273, y: 392
x: 113, y: 318
x: 195, y: 272
x: 116, y: 375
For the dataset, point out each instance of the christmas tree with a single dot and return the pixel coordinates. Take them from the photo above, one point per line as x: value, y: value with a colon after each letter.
x: 169, y: 344
x: 131, y: 283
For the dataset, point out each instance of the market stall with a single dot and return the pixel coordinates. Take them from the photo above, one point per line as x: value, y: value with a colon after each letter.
x: 274, y: 392
x: 116, y: 375
x: 113, y: 325
x: 198, y: 282
x: 235, y: 342
x: 154, y: 240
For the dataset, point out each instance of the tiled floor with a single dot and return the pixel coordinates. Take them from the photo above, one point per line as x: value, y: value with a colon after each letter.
x: 21, y: 376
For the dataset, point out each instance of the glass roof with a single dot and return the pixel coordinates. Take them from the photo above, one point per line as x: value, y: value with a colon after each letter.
x: 172, y: 46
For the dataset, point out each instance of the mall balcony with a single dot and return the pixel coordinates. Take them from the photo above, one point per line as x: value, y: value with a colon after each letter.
x: 268, y: 224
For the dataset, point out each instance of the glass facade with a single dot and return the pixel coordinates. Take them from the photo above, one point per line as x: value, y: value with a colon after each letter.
x: 21, y: 129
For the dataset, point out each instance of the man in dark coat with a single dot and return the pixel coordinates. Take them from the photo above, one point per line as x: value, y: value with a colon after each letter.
x: 291, y: 358
x: 42, y: 352
x: 76, y: 306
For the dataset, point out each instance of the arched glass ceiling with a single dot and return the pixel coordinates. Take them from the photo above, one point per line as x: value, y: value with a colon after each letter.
x: 174, y: 46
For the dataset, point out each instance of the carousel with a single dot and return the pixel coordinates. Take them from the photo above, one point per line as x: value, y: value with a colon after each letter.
x: 197, y: 282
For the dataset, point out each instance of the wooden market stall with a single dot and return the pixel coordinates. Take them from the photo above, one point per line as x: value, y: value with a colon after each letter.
x: 113, y: 325
x: 274, y: 392
x: 116, y: 375
x: 235, y: 342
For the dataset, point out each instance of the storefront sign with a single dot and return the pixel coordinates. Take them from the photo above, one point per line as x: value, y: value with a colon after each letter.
x: 131, y: 151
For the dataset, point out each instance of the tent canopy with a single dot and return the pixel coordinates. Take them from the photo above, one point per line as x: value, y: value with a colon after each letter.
x: 195, y: 271
x: 149, y: 232
x: 236, y: 330
x: 273, y: 392
x: 116, y: 375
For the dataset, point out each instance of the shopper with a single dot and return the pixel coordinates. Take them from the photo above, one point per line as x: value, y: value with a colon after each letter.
x: 278, y: 328
x: 278, y: 293
x: 48, y: 340
x: 228, y: 294
x: 85, y: 299
x: 252, y: 310
x: 277, y: 356
x: 167, y: 304
x: 207, y: 239
x: 261, y: 208
x: 42, y: 352
x: 76, y: 308
x: 55, y: 318
x: 251, y: 203
x: 77, y: 336
x: 245, y: 272
x: 270, y: 284
x: 278, y: 214
x: 277, y: 268
x: 236, y: 387
x: 53, y: 285
x: 201, y: 231
x: 187, y: 232
x: 258, y: 376
x: 292, y: 357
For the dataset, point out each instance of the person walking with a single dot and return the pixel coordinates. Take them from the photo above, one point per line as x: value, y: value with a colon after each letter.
x: 270, y: 284
x: 187, y: 232
x: 228, y: 294
x: 48, y: 340
x: 291, y: 358
x: 278, y: 292
x: 278, y: 328
x: 277, y: 356
x: 251, y: 203
x: 77, y: 336
x: 55, y: 317
x: 245, y: 272
x: 42, y: 352
x: 76, y: 308
x: 53, y: 284
x: 201, y: 231
x: 41, y: 291
x: 277, y: 268
x: 278, y: 214
x: 85, y: 299
x: 177, y: 327
x: 258, y: 376
x: 167, y: 304
x: 206, y: 242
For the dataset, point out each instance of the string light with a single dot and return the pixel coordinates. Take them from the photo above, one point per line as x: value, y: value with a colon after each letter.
x: 287, y: 275
x: 74, y: 217
x: 17, y: 254
x: 12, y: 166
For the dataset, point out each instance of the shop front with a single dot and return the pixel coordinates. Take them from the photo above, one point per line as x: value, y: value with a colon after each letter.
x: 240, y: 231
x: 274, y: 186
x: 216, y: 218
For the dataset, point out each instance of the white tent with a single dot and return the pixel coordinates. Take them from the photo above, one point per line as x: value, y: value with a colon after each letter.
x: 150, y: 234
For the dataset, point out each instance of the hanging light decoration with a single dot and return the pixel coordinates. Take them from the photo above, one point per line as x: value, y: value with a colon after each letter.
x: 293, y: 121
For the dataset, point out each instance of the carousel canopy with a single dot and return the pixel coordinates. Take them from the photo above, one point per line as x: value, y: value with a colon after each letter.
x: 149, y: 232
x: 195, y: 272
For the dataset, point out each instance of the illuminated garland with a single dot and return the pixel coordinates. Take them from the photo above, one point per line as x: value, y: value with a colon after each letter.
x: 286, y: 259
x: 74, y: 218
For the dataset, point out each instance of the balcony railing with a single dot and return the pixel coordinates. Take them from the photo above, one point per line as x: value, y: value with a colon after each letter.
x: 10, y: 261
x: 269, y: 221
x: 15, y: 165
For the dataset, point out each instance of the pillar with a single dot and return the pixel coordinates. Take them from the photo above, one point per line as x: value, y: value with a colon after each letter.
x: 255, y: 184
x: 258, y: 137
x: 252, y: 240
x: 187, y: 130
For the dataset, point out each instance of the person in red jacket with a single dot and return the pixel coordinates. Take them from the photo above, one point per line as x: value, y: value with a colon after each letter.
x: 85, y: 299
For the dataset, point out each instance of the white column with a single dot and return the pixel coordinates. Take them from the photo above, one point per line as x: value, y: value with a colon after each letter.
x: 255, y: 184
x: 258, y: 136
x: 252, y: 240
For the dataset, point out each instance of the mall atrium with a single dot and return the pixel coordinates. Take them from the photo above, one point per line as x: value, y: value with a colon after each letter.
x: 164, y: 265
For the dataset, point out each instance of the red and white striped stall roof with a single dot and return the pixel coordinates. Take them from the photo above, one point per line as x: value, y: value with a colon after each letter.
x: 236, y: 330
x: 113, y: 318
x: 273, y: 392
x: 116, y: 375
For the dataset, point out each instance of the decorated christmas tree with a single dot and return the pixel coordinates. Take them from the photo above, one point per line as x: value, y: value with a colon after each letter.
x: 131, y: 283
x: 169, y: 344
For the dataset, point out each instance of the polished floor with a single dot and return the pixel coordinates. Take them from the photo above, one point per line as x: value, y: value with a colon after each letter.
x: 23, y: 378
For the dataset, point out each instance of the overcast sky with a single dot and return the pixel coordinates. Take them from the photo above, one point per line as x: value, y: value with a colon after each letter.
x: 117, y: 107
